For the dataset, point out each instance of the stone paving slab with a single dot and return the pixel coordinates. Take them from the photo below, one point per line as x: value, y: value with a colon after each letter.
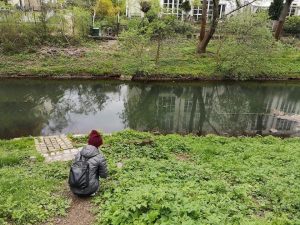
x: 56, y: 148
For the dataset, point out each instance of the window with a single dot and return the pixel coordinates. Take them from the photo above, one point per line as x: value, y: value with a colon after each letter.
x: 166, y: 122
x: 188, y: 105
x: 173, y: 7
x: 197, y: 10
x: 221, y: 10
x: 166, y: 104
x: 168, y: 6
x: 292, y: 11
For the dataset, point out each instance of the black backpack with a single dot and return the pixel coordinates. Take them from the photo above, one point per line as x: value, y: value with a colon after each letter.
x: 79, y: 174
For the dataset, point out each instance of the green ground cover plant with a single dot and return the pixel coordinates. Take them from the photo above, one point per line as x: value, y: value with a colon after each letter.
x: 177, y: 59
x: 177, y: 179
x: 30, y: 191
x: 163, y: 179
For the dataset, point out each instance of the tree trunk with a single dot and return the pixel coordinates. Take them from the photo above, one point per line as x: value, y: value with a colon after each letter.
x: 118, y: 23
x: 73, y: 25
x: 283, y: 14
x: 274, y: 25
x: 202, y: 111
x: 203, y: 20
x: 209, y: 34
x: 193, y: 111
x: 259, y: 124
x: 94, y: 16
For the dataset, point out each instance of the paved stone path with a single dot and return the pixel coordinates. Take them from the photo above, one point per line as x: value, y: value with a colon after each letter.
x: 55, y: 148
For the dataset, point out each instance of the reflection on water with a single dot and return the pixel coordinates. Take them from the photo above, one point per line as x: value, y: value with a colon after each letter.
x: 221, y: 108
x: 31, y: 107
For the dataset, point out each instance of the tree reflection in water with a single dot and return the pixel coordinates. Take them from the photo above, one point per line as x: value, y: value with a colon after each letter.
x: 78, y: 99
x: 221, y: 108
x: 29, y: 107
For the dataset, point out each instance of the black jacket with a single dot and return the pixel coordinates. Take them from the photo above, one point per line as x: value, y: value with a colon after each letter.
x: 98, y: 168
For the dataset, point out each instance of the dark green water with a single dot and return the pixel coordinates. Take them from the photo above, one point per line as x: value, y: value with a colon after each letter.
x: 32, y: 107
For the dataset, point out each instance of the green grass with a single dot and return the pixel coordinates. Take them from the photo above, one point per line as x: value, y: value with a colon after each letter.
x: 177, y: 179
x: 165, y: 179
x: 178, y: 59
x: 30, y: 192
x: 15, y: 152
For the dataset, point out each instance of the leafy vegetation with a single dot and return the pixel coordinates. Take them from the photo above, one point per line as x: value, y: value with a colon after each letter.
x: 246, y: 47
x: 292, y: 25
x: 143, y: 35
x: 61, y: 27
x: 155, y: 46
x: 177, y: 59
x: 177, y: 179
x: 157, y: 179
x: 29, y: 190
x: 15, y: 152
x: 275, y: 9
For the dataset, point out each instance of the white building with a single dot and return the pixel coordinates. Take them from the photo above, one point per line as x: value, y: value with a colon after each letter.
x: 172, y: 7
x: 29, y: 4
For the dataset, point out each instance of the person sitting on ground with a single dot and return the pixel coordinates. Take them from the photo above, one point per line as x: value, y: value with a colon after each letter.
x: 96, y: 167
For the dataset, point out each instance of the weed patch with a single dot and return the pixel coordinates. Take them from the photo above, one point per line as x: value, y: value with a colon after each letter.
x: 224, y: 181
x: 29, y: 191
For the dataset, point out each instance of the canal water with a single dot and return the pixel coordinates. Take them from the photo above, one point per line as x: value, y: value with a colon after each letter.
x: 46, y: 107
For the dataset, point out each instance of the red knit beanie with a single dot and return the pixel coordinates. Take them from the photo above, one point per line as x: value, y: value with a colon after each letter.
x: 95, y: 139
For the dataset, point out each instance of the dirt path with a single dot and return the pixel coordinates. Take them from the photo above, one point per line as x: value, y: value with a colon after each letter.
x: 79, y: 212
x: 60, y: 148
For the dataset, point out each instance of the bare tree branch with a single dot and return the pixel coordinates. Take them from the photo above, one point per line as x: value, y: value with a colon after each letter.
x: 238, y: 8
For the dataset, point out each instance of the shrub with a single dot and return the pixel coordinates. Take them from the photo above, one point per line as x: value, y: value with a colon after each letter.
x: 135, y: 42
x: 81, y: 22
x: 245, y: 47
x: 105, y: 8
x: 21, y: 31
x: 186, y: 7
x: 15, y: 35
x: 275, y: 9
x: 145, y: 6
x: 292, y: 25
x: 183, y: 28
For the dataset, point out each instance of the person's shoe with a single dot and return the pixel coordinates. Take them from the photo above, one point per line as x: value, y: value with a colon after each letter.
x: 92, y: 195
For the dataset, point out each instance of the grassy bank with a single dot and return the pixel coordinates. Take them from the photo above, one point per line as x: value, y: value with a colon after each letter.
x: 199, y: 180
x: 30, y: 192
x: 177, y: 60
x: 168, y: 179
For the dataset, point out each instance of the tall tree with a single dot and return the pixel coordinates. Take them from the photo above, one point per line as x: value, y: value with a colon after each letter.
x: 202, y: 44
x: 186, y: 8
x: 275, y: 9
x: 213, y: 26
x: 203, y: 20
x: 274, y: 12
x: 283, y: 15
